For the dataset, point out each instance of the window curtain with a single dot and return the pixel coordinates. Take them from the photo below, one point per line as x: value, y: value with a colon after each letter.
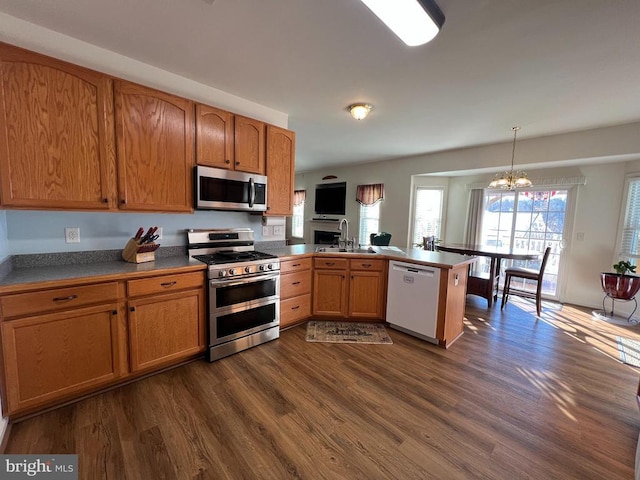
x: 474, y: 217
x: 299, y: 196
x: 370, y: 194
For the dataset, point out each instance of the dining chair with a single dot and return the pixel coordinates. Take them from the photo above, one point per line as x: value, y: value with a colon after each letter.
x: 525, y: 274
x: 380, y: 239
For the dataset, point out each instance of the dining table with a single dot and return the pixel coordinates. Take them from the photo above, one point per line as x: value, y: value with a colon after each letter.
x: 486, y: 284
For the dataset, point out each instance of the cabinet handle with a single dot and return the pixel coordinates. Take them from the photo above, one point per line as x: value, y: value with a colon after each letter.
x: 227, y: 162
x: 351, y: 277
x: 295, y: 283
x: 132, y: 309
x: 296, y: 307
x: 123, y: 201
x: 329, y: 264
x: 65, y: 299
x: 237, y: 163
x: 366, y: 265
x: 168, y: 284
x: 114, y: 312
x: 295, y: 265
x: 105, y: 200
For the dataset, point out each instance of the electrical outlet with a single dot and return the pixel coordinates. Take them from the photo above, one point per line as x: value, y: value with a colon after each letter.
x: 278, y: 230
x: 159, y: 233
x: 72, y: 235
x: 267, y: 231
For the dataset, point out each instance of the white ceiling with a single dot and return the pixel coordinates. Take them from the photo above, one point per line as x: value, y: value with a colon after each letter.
x: 550, y: 66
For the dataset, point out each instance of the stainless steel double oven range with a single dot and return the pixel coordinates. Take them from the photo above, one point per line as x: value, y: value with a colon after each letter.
x: 243, y: 293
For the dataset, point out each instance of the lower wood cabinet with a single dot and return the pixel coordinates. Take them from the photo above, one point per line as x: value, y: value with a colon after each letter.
x: 295, y: 291
x: 166, y: 328
x: 349, y: 288
x: 61, y: 343
x: 59, y: 355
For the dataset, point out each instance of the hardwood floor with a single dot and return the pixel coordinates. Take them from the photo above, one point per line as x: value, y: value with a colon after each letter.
x: 514, y: 397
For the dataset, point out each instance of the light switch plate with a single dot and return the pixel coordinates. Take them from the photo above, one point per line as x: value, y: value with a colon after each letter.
x: 72, y: 235
x: 267, y: 231
x: 278, y: 230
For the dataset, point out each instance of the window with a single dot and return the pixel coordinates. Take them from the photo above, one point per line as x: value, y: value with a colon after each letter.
x: 297, y: 220
x: 630, y: 247
x: 369, y: 222
x: 427, y: 213
x: 531, y: 220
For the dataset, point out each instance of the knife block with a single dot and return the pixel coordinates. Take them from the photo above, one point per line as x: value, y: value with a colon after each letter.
x: 132, y: 254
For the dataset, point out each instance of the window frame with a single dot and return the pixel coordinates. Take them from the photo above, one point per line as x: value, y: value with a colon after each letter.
x: 365, y: 241
x: 443, y: 212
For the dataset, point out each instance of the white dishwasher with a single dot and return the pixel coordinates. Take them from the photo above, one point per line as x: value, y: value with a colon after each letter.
x: 412, y: 299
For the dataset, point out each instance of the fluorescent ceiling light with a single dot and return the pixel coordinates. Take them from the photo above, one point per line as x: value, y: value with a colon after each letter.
x: 416, y: 22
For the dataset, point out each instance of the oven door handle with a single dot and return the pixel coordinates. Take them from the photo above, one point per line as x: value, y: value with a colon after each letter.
x: 243, y: 281
x: 252, y: 192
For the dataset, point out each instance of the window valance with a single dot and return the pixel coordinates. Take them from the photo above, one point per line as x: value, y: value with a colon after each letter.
x: 370, y: 194
x: 299, y: 196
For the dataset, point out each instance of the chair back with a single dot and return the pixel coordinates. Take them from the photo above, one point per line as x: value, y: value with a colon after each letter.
x: 380, y: 239
x: 545, y: 257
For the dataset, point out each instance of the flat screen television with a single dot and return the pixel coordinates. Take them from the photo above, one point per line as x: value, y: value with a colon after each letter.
x: 330, y: 198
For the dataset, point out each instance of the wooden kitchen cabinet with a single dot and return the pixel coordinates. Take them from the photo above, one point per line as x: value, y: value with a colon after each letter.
x: 56, y: 134
x: 214, y: 137
x: 167, y: 320
x: 281, y: 148
x: 295, y: 291
x: 55, y: 356
x: 349, y: 288
x: 155, y: 149
x: 367, y: 289
x: 249, y: 145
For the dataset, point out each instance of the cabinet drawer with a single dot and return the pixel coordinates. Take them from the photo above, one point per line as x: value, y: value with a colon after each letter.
x: 165, y: 283
x: 366, y: 264
x: 330, y: 262
x: 295, y: 265
x: 294, y: 310
x: 294, y: 284
x: 58, y: 299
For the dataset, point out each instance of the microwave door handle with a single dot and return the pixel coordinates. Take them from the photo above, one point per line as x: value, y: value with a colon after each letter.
x: 252, y: 192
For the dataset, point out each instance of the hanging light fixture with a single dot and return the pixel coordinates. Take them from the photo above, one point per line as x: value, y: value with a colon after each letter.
x: 512, y: 179
x: 415, y: 22
x: 359, y: 111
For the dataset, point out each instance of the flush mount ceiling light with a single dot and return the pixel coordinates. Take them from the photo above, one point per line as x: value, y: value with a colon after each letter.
x: 416, y: 22
x: 511, y: 180
x: 359, y: 111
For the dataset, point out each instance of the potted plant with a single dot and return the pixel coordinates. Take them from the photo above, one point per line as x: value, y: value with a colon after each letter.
x: 621, y: 285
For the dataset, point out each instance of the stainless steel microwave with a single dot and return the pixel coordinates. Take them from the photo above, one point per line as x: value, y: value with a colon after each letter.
x: 220, y: 189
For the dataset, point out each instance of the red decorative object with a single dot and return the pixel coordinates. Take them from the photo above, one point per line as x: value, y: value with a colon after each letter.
x: 620, y: 287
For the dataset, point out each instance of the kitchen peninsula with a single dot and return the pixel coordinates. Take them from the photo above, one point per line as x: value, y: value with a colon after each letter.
x: 353, y: 285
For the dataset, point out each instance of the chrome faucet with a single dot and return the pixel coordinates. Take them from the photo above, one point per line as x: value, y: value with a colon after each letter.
x: 344, y: 241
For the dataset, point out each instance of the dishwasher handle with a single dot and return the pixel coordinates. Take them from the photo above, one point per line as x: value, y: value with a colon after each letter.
x: 428, y: 272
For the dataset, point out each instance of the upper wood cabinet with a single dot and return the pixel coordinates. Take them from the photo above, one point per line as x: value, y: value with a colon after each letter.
x: 56, y: 133
x: 214, y: 137
x: 154, y: 144
x: 232, y: 142
x: 281, y: 148
x: 249, y: 145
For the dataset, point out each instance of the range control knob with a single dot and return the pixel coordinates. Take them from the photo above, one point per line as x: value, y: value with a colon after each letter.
x: 232, y: 271
x: 270, y: 267
x: 247, y: 269
x: 222, y: 273
x: 262, y: 268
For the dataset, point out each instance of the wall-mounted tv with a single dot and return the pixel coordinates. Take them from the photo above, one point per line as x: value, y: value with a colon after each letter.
x: 330, y: 198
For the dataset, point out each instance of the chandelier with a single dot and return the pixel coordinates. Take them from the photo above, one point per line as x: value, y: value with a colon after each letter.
x: 512, y: 179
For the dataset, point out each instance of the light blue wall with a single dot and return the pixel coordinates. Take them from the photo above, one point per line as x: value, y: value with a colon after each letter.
x: 43, y: 232
x: 4, y: 246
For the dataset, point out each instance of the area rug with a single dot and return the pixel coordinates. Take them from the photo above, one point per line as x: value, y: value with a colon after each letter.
x: 629, y: 351
x: 347, y: 332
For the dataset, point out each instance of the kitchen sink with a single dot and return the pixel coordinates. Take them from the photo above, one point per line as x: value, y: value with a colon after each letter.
x: 355, y: 251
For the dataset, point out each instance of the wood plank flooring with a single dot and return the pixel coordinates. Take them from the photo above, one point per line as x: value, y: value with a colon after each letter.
x: 515, y: 397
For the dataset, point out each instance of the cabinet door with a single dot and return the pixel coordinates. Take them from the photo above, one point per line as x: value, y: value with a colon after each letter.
x: 281, y: 147
x: 366, y: 296
x: 154, y: 142
x: 56, y: 134
x: 214, y: 137
x: 330, y: 293
x: 249, y: 145
x: 165, y: 329
x: 51, y: 357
